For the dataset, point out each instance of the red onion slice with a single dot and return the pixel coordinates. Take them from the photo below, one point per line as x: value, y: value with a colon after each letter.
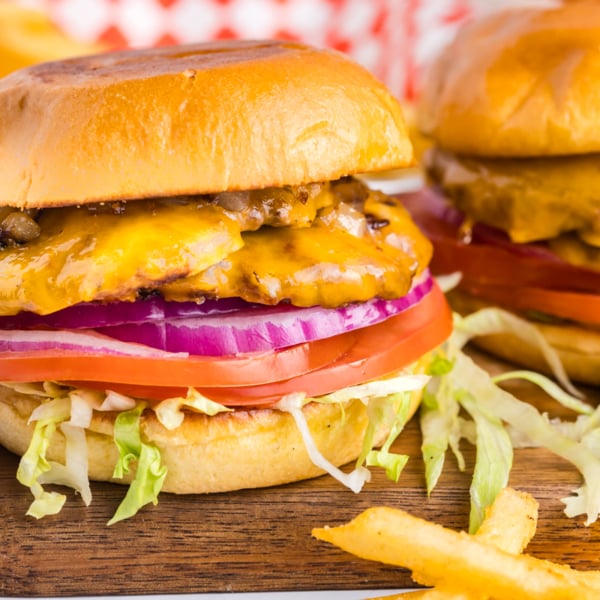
x: 91, y: 315
x: 260, y: 328
x: 87, y: 342
x: 219, y: 328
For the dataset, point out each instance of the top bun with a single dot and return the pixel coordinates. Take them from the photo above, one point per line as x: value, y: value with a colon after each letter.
x: 192, y: 119
x: 520, y: 82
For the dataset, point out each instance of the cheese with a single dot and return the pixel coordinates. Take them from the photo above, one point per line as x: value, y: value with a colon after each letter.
x: 576, y: 251
x: 188, y: 248
x: 320, y: 265
x: 81, y: 255
x: 531, y: 199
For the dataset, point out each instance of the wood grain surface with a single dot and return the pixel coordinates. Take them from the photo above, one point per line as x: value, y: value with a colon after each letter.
x: 259, y: 540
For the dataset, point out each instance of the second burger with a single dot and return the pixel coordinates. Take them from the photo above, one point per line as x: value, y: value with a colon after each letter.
x: 513, y: 205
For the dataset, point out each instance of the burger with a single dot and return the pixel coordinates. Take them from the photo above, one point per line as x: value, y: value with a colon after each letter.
x: 512, y: 202
x: 199, y: 293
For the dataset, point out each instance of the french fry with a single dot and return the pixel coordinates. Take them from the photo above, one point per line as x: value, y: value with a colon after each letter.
x: 455, y: 560
x: 432, y: 594
x: 509, y: 524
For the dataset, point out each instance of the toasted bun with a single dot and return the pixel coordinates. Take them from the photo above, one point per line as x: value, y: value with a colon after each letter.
x: 578, y: 347
x: 228, y: 451
x: 519, y: 83
x: 192, y: 119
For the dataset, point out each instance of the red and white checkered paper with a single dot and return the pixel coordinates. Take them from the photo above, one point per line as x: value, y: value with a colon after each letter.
x: 394, y: 39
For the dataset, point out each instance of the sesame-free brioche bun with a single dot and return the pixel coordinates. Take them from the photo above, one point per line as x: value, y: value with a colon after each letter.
x: 195, y: 119
x: 228, y: 451
x: 578, y: 346
x: 519, y: 82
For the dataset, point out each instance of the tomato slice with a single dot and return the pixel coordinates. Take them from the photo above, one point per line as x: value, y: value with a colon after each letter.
x: 584, y: 308
x: 365, y: 354
x: 510, y: 275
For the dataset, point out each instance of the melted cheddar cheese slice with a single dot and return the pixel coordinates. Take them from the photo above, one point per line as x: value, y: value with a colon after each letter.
x: 333, y: 248
x: 324, y: 264
x: 81, y: 256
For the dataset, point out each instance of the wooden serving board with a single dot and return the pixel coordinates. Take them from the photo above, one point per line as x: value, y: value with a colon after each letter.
x: 258, y: 540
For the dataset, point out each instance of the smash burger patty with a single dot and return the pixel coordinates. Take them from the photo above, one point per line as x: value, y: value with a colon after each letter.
x: 513, y: 199
x: 196, y: 293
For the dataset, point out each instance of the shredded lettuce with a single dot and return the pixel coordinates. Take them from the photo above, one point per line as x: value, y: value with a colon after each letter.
x: 70, y: 411
x: 448, y: 282
x: 74, y: 472
x: 293, y: 403
x: 387, y: 403
x: 497, y: 421
x: 495, y: 320
x: 170, y: 414
x: 34, y: 464
x: 440, y: 421
x: 392, y: 410
x: 525, y: 418
x: 493, y: 460
x: 443, y: 426
x: 461, y: 401
x: 71, y: 415
x: 149, y: 473
x: 375, y: 389
x: 116, y: 402
x: 554, y: 391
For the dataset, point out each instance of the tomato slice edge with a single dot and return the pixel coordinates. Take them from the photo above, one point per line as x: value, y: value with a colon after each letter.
x: 583, y: 308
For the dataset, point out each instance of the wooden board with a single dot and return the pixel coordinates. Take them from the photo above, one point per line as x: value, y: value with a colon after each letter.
x: 257, y: 540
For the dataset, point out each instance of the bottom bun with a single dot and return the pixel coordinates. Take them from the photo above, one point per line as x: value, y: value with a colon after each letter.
x: 225, y: 452
x: 578, y: 347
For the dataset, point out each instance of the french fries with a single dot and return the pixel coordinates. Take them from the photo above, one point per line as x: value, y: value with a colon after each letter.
x: 509, y: 524
x: 433, y: 594
x: 460, y: 566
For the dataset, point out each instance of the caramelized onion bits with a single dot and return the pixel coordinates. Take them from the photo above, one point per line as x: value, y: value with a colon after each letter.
x: 277, y: 207
x: 234, y: 201
x: 17, y: 226
x: 343, y: 216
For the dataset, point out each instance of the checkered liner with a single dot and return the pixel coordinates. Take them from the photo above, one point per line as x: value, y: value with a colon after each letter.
x: 392, y: 38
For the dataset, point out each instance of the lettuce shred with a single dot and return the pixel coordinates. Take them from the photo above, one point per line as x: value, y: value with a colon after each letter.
x: 170, y: 414
x: 463, y: 401
x: 69, y: 412
x: 34, y: 468
x: 149, y: 473
x: 387, y: 403
x: 34, y: 464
